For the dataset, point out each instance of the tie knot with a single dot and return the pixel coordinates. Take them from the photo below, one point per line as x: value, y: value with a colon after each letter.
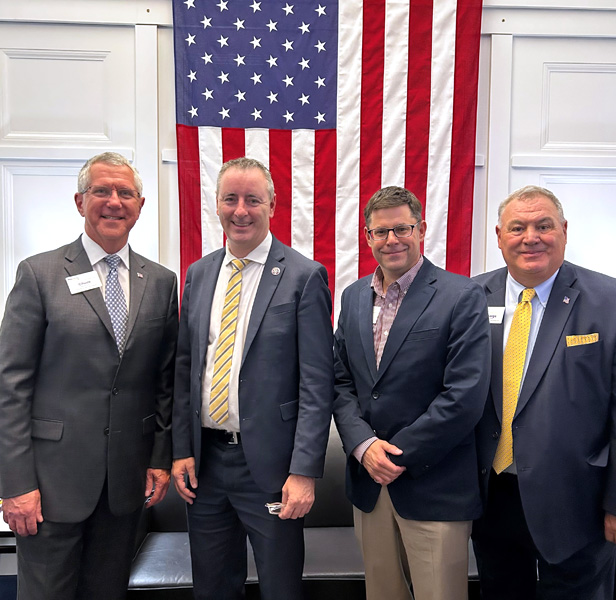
x: 528, y: 294
x: 239, y: 263
x: 113, y: 260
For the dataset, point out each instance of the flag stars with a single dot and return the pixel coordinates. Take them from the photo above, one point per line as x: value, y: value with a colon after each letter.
x: 256, y: 114
x: 224, y: 77
x: 256, y: 42
x: 320, y: 82
x: 288, y: 81
x: 272, y: 26
x: 192, y: 75
x: 206, y: 22
x: 208, y: 94
x: 241, y: 96
x: 223, y: 41
x: 288, y: 45
x: 223, y: 5
x: 320, y: 46
x: 288, y: 9
x: 190, y: 39
x: 193, y: 112
x: 256, y: 78
x: 304, y: 28
x: 272, y: 97
x: 190, y: 4
x: 288, y: 116
x: 256, y: 6
x: 272, y: 62
x: 206, y: 58
x: 239, y: 60
x: 304, y: 99
x: 224, y: 113
x: 320, y: 117
x: 239, y: 24
x: 320, y: 10
x: 304, y: 63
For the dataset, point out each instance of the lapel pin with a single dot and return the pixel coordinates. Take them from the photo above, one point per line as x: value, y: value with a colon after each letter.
x: 566, y: 299
x: 275, y: 271
x: 140, y: 275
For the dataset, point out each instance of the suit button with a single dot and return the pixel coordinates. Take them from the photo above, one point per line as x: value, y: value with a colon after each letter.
x: 426, y: 467
x: 484, y: 471
x: 106, y: 431
x: 197, y: 414
x: 115, y: 391
x: 375, y: 395
x: 495, y: 435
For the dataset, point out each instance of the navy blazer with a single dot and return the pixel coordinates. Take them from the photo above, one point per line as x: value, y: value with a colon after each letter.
x: 563, y: 428
x: 426, y: 397
x: 286, y: 376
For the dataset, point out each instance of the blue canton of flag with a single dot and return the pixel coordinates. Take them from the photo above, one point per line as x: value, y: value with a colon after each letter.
x: 247, y: 64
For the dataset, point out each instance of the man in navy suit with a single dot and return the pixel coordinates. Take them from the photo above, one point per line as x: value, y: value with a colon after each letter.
x: 412, y: 360
x: 262, y: 439
x: 551, y: 507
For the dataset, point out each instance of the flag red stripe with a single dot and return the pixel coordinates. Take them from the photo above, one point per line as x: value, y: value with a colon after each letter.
x: 325, y: 202
x: 461, y: 184
x: 280, y: 165
x: 371, y: 136
x: 233, y: 143
x: 189, y: 180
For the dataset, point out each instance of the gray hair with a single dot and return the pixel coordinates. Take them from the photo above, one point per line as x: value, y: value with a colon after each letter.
x: 244, y: 163
x: 108, y: 158
x: 528, y: 193
x: 390, y: 197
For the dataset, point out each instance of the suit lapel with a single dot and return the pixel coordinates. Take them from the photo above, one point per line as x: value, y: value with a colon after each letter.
x: 495, y: 294
x: 77, y: 262
x: 272, y: 275
x: 413, y: 304
x: 365, y: 309
x: 554, y: 319
x: 138, y: 282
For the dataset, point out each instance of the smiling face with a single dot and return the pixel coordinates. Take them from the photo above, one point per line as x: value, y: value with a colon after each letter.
x: 532, y: 238
x: 244, y: 208
x: 109, y: 220
x: 395, y: 255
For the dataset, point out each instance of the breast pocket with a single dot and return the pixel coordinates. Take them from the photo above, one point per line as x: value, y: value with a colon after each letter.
x: 423, y: 334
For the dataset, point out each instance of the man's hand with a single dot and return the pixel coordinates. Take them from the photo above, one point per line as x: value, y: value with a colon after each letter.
x: 182, y: 467
x: 609, y: 523
x: 297, y: 496
x: 377, y: 463
x: 156, y: 484
x: 23, y: 513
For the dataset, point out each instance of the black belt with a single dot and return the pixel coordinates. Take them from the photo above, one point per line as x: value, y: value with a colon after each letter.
x: 232, y: 438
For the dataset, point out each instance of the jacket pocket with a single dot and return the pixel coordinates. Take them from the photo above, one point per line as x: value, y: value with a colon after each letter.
x: 289, y: 410
x: 46, y: 429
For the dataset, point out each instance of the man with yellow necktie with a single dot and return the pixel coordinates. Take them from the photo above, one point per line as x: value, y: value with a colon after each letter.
x: 253, y: 400
x: 547, y: 438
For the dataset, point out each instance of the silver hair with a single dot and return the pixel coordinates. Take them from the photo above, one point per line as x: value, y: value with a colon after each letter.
x: 108, y: 158
x: 244, y: 163
x: 528, y: 193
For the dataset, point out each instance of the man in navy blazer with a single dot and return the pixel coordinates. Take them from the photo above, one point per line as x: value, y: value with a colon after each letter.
x: 269, y: 445
x: 553, y: 508
x: 85, y: 414
x: 412, y: 359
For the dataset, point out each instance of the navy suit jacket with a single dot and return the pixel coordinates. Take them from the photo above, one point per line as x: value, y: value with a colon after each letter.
x: 426, y: 397
x: 563, y: 428
x: 72, y: 411
x: 286, y: 376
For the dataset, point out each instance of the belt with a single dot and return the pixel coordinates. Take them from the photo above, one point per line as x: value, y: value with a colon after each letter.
x: 232, y: 438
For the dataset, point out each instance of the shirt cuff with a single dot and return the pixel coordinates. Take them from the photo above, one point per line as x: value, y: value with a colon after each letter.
x: 360, y: 449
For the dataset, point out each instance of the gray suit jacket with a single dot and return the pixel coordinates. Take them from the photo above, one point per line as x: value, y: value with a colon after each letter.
x: 564, y: 432
x: 286, y: 377
x: 72, y: 413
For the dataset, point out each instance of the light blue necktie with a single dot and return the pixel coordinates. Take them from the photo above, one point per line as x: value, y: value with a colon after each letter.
x: 116, y: 302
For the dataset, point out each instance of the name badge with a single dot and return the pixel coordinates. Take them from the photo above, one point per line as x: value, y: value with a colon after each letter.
x: 83, y: 282
x: 496, y: 314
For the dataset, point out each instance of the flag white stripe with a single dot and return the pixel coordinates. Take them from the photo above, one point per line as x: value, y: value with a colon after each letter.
x: 257, y: 145
x: 210, y: 158
x: 302, y: 191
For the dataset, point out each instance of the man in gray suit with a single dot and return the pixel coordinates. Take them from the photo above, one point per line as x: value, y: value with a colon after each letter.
x: 253, y: 395
x: 87, y: 348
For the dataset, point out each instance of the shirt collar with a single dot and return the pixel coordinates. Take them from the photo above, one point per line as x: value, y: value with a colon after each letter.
x: 258, y: 255
x: 96, y: 253
x: 404, y: 281
x: 542, y: 291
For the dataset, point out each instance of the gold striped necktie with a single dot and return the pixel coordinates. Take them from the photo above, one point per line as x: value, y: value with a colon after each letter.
x: 219, y: 394
x: 513, y: 367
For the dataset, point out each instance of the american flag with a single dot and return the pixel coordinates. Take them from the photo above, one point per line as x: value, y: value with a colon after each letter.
x: 338, y: 98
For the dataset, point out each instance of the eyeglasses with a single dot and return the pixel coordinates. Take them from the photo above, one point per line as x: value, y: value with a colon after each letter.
x: 400, y: 231
x: 104, y: 193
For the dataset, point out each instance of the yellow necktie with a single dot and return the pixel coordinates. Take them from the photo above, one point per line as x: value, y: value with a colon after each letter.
x: 219, y: 394
x: 513, y: 367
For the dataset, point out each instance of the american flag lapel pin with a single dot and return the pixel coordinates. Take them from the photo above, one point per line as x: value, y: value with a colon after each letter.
x: 140, y: 275
x: 566, y: 299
